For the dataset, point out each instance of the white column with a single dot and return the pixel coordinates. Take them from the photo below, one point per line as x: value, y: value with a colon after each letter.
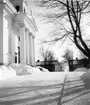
x: 13, y: 48
x: 30, y: 49
x: 27, y: 47
x: 22, y: 45
x: 33, y: 43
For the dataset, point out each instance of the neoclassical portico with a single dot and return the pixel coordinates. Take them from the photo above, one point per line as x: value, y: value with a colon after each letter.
x: 20, y: 33
x: 27, y: 54
x: 26, y: 40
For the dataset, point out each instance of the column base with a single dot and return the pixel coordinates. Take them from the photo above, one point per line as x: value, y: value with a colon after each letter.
x: 1, y: 64
x: 5, y: 59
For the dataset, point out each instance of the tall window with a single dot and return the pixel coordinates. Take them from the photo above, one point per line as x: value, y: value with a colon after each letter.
x: 19, y: 38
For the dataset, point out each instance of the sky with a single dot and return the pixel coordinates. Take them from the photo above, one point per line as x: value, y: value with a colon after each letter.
x: 43, y: 31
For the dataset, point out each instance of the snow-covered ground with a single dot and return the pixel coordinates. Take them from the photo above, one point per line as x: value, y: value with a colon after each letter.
x: 82, y: 69
x: 30, y: 86
x: 36, y: 89
x: 44, y: 88
x: 77, y: 88
x: 6, y: 72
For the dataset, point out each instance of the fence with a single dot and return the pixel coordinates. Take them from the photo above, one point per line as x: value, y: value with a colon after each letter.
x: 74, y: 64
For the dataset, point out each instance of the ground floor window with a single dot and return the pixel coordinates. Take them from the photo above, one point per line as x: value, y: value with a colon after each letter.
x: 17, y: 56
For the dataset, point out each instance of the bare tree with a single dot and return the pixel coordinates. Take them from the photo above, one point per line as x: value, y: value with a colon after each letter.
x: 48, y: 58
x: 67, y: 15
x: 42, y: 53
x: 47, y: 55
x: 82, y: 56
x: 68, y: 55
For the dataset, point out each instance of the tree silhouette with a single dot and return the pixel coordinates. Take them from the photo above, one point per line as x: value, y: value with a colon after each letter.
x: 46, y: 55
x: 67, y: 15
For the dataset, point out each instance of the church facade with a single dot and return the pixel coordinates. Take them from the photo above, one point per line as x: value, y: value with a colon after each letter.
x: 17, y: 33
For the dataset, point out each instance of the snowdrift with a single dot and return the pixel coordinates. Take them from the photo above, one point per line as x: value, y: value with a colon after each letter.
x: 42, y: 69
x: 23, y: 69
x: 19, y: 70
x: 81, y: 70
x: 6, y: 72
x: 86, y: 79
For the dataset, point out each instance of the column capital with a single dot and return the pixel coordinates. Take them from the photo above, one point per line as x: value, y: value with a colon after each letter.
x: 30, y: 34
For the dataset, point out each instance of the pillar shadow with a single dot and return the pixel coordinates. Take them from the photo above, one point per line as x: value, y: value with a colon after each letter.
x: 76, y: 91
x: 26, y: 91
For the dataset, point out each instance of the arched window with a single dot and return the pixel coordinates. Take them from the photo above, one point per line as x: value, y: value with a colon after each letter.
x: 17, y: 8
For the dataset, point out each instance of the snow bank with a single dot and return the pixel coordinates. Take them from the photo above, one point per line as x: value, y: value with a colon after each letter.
x: 6, y: 72
x: 23, y: 69
x: 36, y: 70
x: 81, y: 70
x: 17, y: 70
x: 86, y: 75
x: 43, y: 69
x: 86, y: 79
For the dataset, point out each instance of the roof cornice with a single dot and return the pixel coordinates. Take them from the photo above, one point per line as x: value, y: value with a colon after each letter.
x: 7, y: 7
x: 23, y: 19
x: 32, y: 21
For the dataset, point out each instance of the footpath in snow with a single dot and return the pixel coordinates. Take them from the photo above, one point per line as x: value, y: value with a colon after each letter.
x: 36, y: 89
x: 77, y: 89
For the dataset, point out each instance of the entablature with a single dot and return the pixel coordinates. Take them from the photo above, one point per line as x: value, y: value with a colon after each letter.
x: 23, y: 20
x: 7, y: 8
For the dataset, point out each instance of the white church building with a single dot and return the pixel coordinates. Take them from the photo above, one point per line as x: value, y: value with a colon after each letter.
x: 17, y: 33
